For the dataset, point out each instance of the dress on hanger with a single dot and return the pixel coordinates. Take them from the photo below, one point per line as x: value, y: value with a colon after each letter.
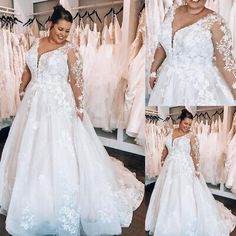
x: 189, y: 75
x: 225, y: 8
x: 232, y: 26
x: 181, y: 203
x: 230, y: 164
x: 53, y: 158
x: 135, y: 92
x: 100, y: 88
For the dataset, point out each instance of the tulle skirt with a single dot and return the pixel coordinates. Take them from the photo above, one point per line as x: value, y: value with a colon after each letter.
x: 182, y: 205
x: 56, y: 178
x: 190, y: 84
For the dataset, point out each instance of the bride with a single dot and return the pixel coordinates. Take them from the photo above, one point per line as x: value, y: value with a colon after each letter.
x: 181, y: 203
x: 55, y: 176
x: 194, y: 59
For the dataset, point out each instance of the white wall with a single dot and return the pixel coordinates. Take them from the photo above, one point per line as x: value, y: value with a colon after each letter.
x: 24, y: 8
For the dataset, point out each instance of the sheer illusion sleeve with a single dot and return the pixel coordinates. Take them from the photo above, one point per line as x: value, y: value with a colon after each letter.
x: 76, y: 77
x: 223, y: 47
x: 195, y: 152
x: 25, y: 79
x: 164, y: 155
x: 159, y: 57
x: 160, y: 54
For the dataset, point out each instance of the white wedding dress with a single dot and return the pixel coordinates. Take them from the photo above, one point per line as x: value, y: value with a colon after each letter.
x: 198, y: 63
x: 55, y: 176
x: 181, y: 203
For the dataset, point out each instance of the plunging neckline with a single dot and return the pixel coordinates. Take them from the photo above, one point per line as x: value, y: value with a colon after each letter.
x: 173, y: 34
x: 173, y: 139
x: 40, y: 56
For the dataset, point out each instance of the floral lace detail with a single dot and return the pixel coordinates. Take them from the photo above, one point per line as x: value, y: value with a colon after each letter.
x: 28, y: 220
x: 224, y: 44
x: 225, y: 47
x: 76, y: 78
x: 69, y: 214
x: 190, y: 68
x: 195, y: 152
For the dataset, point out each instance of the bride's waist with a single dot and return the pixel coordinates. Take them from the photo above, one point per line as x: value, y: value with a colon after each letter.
x: 48, y: 82
x: 182, y: 62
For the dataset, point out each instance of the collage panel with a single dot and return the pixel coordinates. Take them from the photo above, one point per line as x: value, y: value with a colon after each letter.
x: 190, y: 170
x: 191, y: 53
x: 72, y: 117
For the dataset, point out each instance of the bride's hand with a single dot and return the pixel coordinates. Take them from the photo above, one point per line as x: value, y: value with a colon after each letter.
x: 197, y: 173
x: 80, y: 115
x: 152, y: 82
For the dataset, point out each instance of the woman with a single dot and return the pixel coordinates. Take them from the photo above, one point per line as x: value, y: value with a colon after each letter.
x: 55, y: 176
x: 194, y: 59
x: 181, y: 203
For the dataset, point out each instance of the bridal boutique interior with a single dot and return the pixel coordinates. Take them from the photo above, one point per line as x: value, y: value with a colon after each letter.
x: 110, y: 35
x: 215, y: 129
x: 158, y: 8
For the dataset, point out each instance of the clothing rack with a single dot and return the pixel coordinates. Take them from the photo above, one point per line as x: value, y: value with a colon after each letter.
x: 82, y: 7
x: 96, y: 5
x: 7, y: 10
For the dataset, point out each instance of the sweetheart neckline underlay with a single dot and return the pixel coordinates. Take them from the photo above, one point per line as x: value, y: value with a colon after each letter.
x: 173, y: 34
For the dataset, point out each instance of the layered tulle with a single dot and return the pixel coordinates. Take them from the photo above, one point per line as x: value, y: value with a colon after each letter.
x: 55, y: 175
x: 181, y: 203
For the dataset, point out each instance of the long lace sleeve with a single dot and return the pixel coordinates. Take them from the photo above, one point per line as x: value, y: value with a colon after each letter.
x: 25, y: 79
x: 76, y: 77
x: 159, y: 57
x: 195, y: 152
x: 164, y: 155
x: 223, y: 47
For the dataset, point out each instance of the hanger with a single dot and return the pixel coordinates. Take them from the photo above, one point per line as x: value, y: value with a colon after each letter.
x: 96, y: 13
x: 28, y: 22
x: 142, y: 7
x: 111, y: 11
x: 48, y: 19
x: 77, y: 15
x: 87, y: 14
x: 119, y: 11
x: 17, y: 20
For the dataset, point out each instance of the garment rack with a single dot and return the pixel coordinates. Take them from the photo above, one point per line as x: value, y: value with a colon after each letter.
x: 7, y: 10
x: 96, y: 5
x: 81, y: 7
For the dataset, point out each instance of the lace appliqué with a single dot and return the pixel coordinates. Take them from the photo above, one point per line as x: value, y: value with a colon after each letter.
x: 28, y: 219
x: 195, y: 152
x: 225, y: 45
x: 69, y: 214
x: 76, y: 70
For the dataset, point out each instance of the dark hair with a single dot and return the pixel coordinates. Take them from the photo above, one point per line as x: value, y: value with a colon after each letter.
x: 60, y: 13
x: 185, y: 114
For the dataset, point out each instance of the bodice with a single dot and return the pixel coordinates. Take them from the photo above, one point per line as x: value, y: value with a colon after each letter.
x: 191, y: 44
x: 179, y: 146
x: 50, y: 67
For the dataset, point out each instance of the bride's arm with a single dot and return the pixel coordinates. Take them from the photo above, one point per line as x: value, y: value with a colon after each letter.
x: 25, y: 79
x: 195, y: 153
x: 159, y: 57
x: 76, y: 79
x: 223, y: 46
x: 164, y: 155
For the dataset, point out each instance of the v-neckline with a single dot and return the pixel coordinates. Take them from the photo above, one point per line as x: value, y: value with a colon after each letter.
x: 40, y: 56
x: 173, y: 34
x: 173, y: 139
